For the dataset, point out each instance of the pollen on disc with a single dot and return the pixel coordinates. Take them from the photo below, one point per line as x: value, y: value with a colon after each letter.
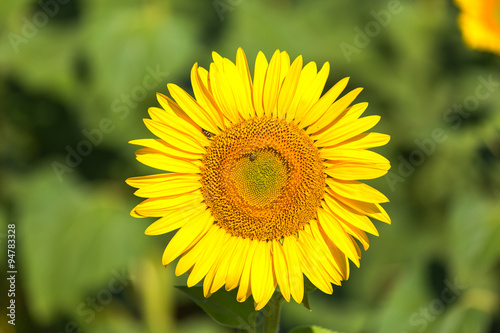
x: 262, y: 179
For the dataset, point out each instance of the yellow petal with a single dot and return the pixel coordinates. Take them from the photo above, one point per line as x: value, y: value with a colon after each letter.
x: 218, y: 60
x: 209, y: 286
x: 312, y: 267
x: 346, y: 214
x: 187, y: 236
x: 237, y: 263
x: 331, y: 272
x: 312, y: 93
x: 356, y: 246
x: 350, y: 164
x: 171, y: 114
x: 289, y: 87
x: 223, y: 92
x: 193, y: 109
x: 142, y: 181
x: 259, y: 276
x: 134, y: 214
x: 371, y: 209
x: 266, y: 282
x: 175, y: 138
x: 358, y: 234
x: 229, y: 116
x: 242, y: 65
x: 268, y: 293
x: 272, y: 84
x: 340, y: 260
x: 353, y: 156
x: 157, y: 207
x: 210, y: 253
x: 236, y: 84
x: 356, y: 190
x: 319, y: 108
x: 352, y: 113
x: 160, y: 161
x: 174, y: 219
x: 345, y: 119
x: 150, y: 151
x: 339, y: 134
x: 194, y: 254
x: 334, y: 111
x: 285, y: 66
x: 281, y: 270
x: 222, y: 271
x: 307, y: 75
x: 244, y: 291
x: 337, y: 235
x: 204, y: 97
x: 170, y: 186
x: 337, y: 271
x: 356, y: 171
x: 167, y: 149
x: 259, y: 78
x: 169, y: 118
x: 365, y: 141
x: 203, y: 75
x: 208, y: 281
x: 292, y: 257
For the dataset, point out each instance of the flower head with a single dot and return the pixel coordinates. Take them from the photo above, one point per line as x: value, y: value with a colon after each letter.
x: 480, y: 24
x: 262, y: 177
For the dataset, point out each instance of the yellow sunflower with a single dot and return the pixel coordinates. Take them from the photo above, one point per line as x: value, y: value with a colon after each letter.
x: 262, y: 177
x: 480, y: 24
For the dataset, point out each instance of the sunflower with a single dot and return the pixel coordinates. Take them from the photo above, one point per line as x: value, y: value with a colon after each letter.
x: 262, y: 177
x: 480, y: 24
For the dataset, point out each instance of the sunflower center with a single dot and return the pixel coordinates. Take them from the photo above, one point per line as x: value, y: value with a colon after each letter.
x: 262, y: 179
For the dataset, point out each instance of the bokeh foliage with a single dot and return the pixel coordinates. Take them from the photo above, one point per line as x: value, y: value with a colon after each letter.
x: 436, y: 269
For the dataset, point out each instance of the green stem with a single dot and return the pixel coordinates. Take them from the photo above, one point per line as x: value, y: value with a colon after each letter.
x: 268, y: 320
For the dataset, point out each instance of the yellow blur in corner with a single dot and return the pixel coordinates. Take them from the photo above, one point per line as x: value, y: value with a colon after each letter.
x: 479, y: 21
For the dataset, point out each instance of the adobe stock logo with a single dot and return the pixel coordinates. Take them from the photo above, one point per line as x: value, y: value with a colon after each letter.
x: 30, y: 28
x: 88, y: 310
x: 454, y: 116
x: 419, y: 320
x: 371, y: 30
x: 120, y: 109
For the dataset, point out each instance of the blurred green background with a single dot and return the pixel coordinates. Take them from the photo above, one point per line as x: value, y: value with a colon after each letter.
x: 78, y: 76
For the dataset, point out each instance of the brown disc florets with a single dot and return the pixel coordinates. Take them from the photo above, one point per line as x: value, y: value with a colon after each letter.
x: 262, y: 179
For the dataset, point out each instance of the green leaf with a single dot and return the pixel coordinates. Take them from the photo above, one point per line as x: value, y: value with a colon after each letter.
x: 73, y: 240
x: 223, y: 307
x: 311, y: 329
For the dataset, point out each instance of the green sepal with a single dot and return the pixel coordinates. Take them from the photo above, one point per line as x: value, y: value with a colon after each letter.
x: 308, y: 288
x: 305, y: 301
